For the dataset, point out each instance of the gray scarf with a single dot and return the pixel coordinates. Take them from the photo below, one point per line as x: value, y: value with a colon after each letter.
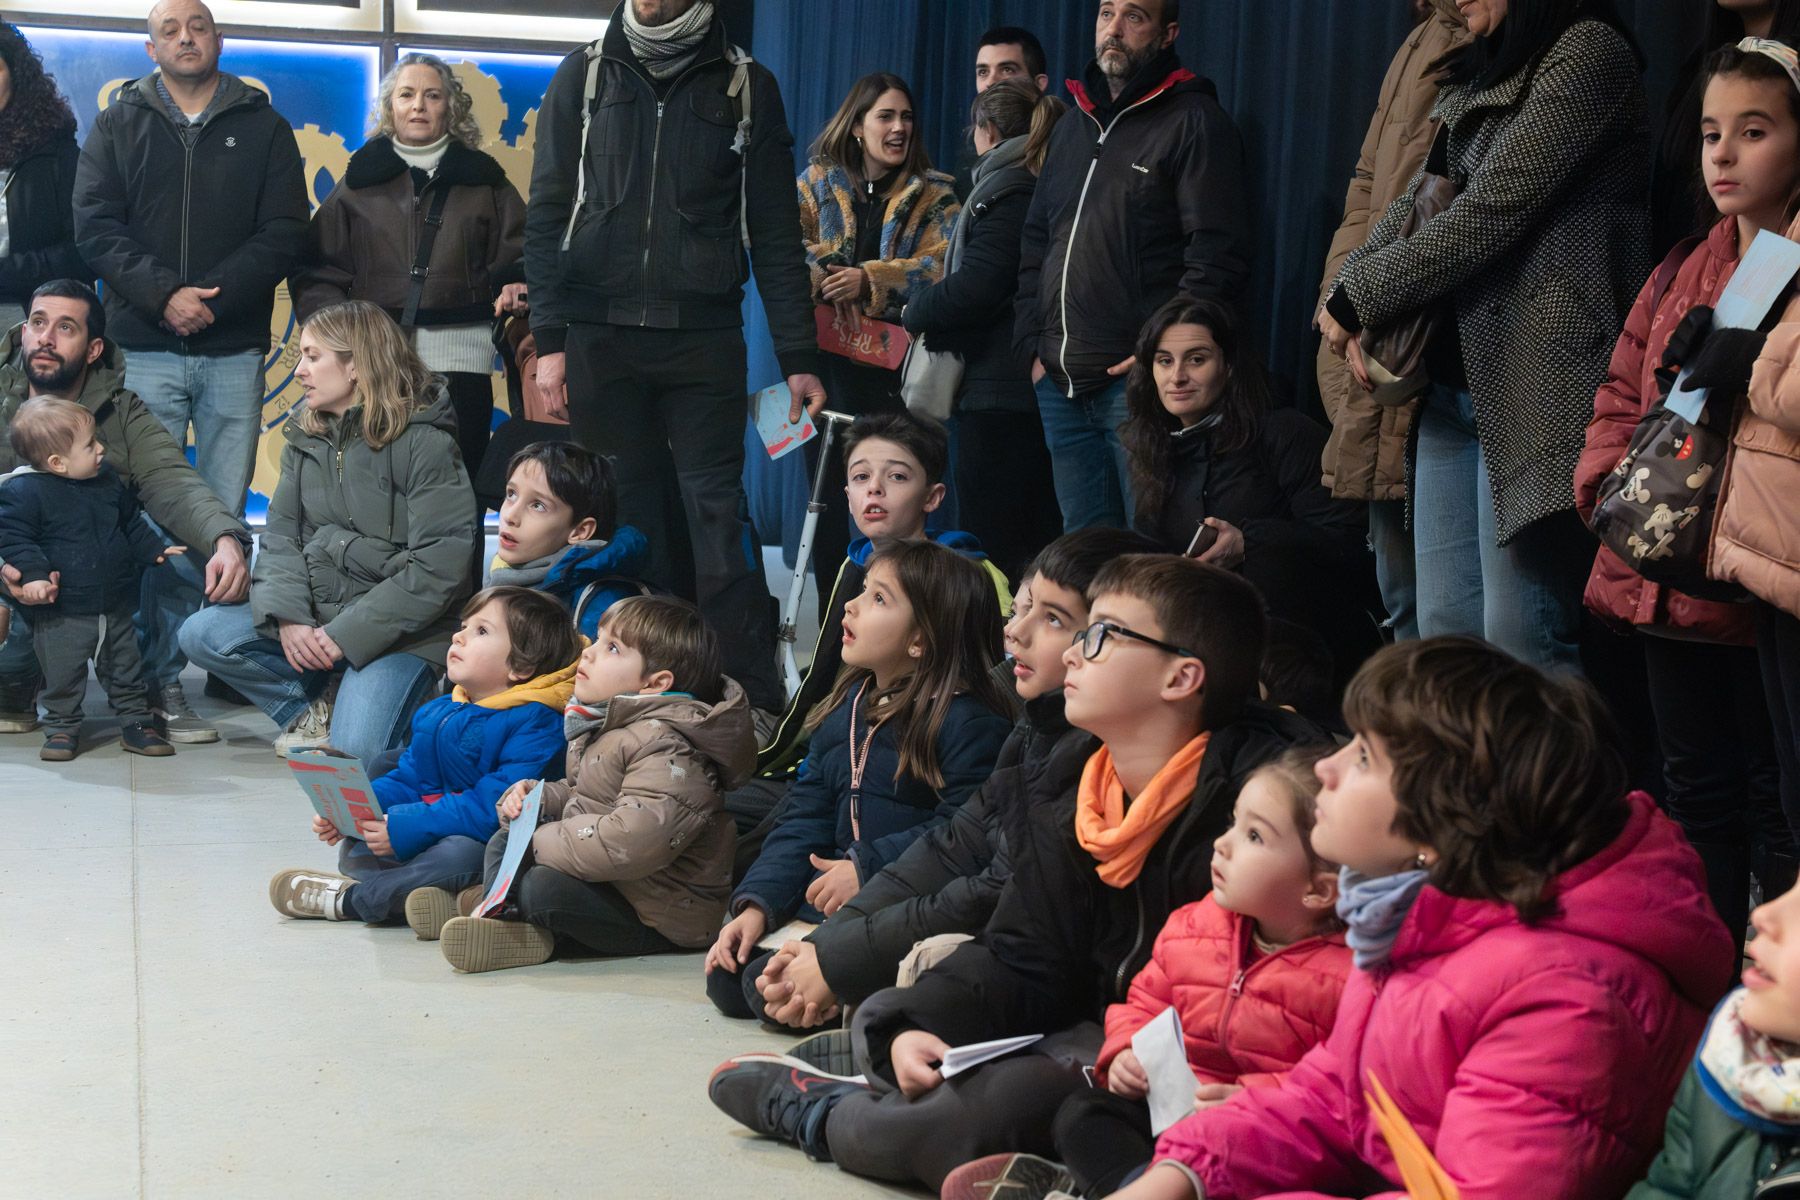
x: 529, y: 575
x: 1009, y: 153
x: 579, y: 718
x: 667, y: 50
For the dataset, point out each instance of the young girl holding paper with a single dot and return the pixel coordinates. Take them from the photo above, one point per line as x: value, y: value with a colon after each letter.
x: 1254, y: 972
x: 1535, y: 955
x: 1720, y: 772
x: 914, y: 724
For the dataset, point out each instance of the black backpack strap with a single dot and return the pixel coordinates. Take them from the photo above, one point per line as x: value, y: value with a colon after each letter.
x: 421, y: 268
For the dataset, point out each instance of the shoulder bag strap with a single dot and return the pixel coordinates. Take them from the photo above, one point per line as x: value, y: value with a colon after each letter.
x: 421, y: 268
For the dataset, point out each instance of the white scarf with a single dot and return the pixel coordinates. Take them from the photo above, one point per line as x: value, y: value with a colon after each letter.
x: 1753, y: 1077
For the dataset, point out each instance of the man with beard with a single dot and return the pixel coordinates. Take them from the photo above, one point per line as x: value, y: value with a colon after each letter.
x: 663, y: 154
x: 1140, y: 200
x: 190, y: 203
x: 61, y: 350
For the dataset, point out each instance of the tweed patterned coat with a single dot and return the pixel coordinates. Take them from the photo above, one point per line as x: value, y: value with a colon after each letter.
x: 915, y: 236
x: 1540, y: 255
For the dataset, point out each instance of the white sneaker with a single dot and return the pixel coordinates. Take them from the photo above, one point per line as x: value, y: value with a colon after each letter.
x: 307, y: 894
x: 312, y: 728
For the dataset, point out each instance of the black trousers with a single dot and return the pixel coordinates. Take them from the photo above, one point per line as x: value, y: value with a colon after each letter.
x: 735, y: 994
x: 667, y: 405
x: 1721, y: 776
x: 1008, y: 1105
x: 472, y: 396
x: 856, y: 390
x: 1005, y: 486
x: 594, y: 916
x: 1778, y: 651
x: 1103, y: 1139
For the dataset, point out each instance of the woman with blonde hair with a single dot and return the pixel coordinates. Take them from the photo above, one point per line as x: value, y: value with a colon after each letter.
x: 876, y: 220
x: 368, y: 550
x: 375, y: 237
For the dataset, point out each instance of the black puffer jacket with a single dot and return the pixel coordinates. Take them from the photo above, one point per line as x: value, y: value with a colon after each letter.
x: 154, y: 213
x: 1062, y: 945
x: 969, y: 311
x: 657, y: 241
x: 949, y: 880
x: 1270, y: 489
x: 40, y: 221
x: 1140, y: 199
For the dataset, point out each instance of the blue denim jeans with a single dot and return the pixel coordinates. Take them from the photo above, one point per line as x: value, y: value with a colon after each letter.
x: 382, y: 884
x: 375, y: 703
x: 1093, y: 482
x: 1525, y: 596
x: 1392, y: 542
x: 220, y: 398
x: 19, y: 675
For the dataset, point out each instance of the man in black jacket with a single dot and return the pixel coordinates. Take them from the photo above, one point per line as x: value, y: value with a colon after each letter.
x: 190, y: 204
x: 662, y: 153
x: 1142, y: 198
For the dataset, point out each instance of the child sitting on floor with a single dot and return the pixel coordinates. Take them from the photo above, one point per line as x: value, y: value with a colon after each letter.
x: 559, y: 532
x: 915, y: 722
x: 1535, y: 952
x: 80, y: 542
x: 632, y: 854
x: 1734, y: 1132
x: 1255, y: 971
x: 513, y: 664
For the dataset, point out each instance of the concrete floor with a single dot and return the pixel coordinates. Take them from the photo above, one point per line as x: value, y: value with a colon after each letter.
x: 165, y: 1033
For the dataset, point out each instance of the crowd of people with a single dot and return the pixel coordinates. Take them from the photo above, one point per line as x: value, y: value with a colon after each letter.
x: 1288, y: 728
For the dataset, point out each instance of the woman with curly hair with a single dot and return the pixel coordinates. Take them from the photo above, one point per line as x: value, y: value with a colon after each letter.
x: 423, y: 159
x: 38, y: 153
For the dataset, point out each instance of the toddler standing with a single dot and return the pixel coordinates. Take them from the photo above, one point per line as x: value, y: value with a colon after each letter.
x: 79, y: 539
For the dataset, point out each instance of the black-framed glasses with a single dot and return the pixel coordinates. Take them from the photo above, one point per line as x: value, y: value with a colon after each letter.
x: 1092, y: 640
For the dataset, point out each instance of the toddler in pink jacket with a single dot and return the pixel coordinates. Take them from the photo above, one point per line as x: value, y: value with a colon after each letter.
x: 1535, y: 953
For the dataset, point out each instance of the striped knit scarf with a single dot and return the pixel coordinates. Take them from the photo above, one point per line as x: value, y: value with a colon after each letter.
x: 667, y: 50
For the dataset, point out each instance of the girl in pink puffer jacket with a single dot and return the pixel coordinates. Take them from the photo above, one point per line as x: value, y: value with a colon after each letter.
x: 1536, y: 954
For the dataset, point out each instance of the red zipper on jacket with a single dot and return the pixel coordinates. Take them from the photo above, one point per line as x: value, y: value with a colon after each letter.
x: 1240, y: 949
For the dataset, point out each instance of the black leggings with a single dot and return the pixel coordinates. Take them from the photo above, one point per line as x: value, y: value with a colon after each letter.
x: 472, y: 396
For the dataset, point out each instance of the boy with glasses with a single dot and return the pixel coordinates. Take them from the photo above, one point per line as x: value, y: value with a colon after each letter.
x: 1165, y: 674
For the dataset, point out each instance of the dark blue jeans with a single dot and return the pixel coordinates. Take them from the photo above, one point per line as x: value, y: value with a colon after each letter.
x: 383, y: 884
x: 1093, y: 480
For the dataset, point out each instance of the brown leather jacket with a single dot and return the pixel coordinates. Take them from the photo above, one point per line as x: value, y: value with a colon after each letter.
x: 1365, y: 458
x: 365, y: 237
x: 643, y: 808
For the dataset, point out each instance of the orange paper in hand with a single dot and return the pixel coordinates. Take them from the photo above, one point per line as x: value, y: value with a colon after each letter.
x: 1423, y: 1176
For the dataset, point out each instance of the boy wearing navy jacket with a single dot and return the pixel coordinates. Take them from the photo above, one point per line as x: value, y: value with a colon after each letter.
x: 513, y: 667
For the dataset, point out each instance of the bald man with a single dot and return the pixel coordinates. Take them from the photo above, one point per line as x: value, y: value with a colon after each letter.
x: 190, y: 203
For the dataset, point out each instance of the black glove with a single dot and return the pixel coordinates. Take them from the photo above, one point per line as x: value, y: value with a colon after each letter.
x: 1726, y: 360
x: 1689, y: 337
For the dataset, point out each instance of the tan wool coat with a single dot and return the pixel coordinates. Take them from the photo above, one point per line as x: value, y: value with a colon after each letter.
x: 1365, y: 458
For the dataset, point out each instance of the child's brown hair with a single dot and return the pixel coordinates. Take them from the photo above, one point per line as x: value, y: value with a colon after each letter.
x: 958, y: 617
x: 671, y: 636
x: 1293, y: 770
x: 542, y: 632
x: 1206, y: 610
x: 45, y: 426
x: 1511, y: 775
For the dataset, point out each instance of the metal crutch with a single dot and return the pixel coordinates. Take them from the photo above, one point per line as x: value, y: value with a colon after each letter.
x: 790, y: 612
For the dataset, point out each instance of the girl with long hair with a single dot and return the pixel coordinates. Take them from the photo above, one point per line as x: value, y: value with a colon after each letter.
x: 368, y: 550
x: 876, y: 220
x: 914, y: 723
x: 424, y: 156
x: 1219, y: 472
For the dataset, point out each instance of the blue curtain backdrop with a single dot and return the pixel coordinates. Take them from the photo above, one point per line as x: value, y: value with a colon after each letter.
x: 1300, y: 77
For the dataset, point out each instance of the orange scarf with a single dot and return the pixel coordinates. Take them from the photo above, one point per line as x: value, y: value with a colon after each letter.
x: 1120, y: 838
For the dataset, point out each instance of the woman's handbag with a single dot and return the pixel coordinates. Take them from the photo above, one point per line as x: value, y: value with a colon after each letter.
x: 930, y: 379
x: 1394, y: 355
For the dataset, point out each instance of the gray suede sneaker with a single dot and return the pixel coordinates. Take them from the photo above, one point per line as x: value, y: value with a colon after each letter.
x: 179, y: 721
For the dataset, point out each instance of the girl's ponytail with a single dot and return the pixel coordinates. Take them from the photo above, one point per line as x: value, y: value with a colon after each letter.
x: 1044, y: 115
x: 1014, y: 108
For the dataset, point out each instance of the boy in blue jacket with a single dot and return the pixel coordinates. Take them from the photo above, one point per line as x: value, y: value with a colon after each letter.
x: 559, y: 532
x: 513, y: 667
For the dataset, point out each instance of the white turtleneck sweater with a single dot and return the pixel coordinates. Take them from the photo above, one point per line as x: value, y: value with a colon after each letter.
x: 447, y: 348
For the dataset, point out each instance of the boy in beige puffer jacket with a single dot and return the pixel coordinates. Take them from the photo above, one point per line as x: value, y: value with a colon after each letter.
x: 633, y: 850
